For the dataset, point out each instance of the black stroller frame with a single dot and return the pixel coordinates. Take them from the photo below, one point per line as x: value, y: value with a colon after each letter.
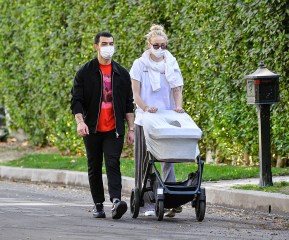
x: 170, y: 194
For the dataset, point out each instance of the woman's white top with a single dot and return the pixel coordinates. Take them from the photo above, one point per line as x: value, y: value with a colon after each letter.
x: 163, y: 97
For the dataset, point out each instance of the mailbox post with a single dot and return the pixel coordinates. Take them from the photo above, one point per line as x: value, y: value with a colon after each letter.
x: 263, y: 90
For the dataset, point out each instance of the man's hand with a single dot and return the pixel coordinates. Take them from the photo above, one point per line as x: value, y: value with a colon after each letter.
x: 82, y: 129
x: 130, y: 137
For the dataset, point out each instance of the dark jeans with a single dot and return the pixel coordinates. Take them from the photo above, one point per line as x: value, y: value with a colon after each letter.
x: 108, y: 145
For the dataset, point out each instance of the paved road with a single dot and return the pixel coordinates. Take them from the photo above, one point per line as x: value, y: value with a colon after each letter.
x: 38, y: 211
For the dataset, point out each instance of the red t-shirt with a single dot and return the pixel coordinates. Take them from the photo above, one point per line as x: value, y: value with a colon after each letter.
x: 106, y: 120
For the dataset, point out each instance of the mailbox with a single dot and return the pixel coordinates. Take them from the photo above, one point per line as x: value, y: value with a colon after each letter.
x: 262, y: 86
x: 263, y: 90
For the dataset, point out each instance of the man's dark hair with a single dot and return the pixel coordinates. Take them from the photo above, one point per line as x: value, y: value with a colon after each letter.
x: 101, y: 34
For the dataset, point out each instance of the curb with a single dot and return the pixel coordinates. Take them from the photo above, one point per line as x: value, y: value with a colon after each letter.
x: 243, y: 199
x: 72, y: 178
x: 248, y: 199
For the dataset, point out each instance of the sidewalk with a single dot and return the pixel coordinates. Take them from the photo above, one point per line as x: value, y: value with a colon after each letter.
x: 218, y: 193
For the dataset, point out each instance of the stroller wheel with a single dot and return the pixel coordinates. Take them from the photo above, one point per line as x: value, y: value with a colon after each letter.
x: 200, y: 210
x: 159, y: 209
x: 134, y: 202
x: 200, y: 205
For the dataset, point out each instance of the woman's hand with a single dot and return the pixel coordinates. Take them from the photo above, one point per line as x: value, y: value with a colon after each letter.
x: 179, y: 110
x: 150, y: 109
x: 178, y: 97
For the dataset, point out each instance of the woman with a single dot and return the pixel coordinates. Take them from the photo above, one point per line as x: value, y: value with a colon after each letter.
x: 157, y: 83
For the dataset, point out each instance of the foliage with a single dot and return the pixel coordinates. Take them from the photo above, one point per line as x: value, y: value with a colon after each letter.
x: 216, y: 43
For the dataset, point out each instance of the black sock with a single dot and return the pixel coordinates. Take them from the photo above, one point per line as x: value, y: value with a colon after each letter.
x: 99, y: 207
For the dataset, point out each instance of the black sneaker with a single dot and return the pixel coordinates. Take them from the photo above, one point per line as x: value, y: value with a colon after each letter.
x: 118, y: 209
x: 97, y: 211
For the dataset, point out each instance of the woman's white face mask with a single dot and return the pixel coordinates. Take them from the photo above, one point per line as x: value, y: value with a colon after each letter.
x: 107, y: 52
x: 158, y: 53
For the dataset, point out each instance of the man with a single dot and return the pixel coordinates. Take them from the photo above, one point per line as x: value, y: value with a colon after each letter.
x: 101, y: 101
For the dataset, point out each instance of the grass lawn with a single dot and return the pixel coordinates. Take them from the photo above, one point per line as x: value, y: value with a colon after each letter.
x: 211, y: 172
x: 279, y: 187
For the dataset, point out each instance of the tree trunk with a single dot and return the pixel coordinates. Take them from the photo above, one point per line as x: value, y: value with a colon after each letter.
x: 234, y: 160
x: 280, y: 162
x: 246, y: 161
x: 209, y: 157
x: 216, y: 157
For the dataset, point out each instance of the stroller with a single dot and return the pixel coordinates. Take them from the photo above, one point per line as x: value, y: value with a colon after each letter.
x: 170, y: 137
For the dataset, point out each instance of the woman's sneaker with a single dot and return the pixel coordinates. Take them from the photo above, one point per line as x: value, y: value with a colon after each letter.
x: 149, y: 213
x: 179, y: 209
x: 118, y: 209
x: 98, y: 211
x: 172, y: 212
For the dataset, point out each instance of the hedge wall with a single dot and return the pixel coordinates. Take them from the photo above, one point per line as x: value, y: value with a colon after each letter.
x: 217, y: 43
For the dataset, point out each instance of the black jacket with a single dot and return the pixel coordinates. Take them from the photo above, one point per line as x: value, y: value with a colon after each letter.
x: 87, y: 94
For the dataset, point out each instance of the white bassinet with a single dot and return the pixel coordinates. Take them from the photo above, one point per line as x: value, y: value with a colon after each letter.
x: 171, y: 136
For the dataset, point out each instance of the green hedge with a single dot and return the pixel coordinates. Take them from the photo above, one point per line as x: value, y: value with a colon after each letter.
x: 216, y: 43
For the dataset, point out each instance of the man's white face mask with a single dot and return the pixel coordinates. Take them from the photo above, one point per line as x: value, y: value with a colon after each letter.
x: 107, y: 52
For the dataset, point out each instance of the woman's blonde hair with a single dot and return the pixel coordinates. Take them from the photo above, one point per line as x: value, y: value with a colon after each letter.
x: 155, y: 30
